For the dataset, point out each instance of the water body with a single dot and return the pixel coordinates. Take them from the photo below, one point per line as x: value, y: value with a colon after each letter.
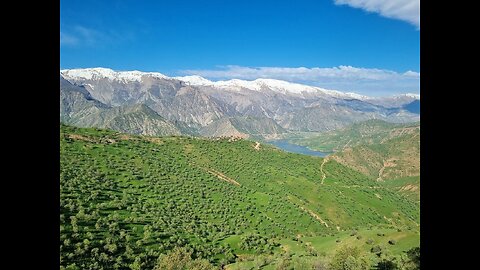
x: 294, y: 148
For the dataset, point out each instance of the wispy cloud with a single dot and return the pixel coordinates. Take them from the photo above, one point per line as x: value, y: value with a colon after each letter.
x: 80, y: 36
x: 83, y: 36
x: 406, y: 10
x: 68, y: 39
x: 345, y: 78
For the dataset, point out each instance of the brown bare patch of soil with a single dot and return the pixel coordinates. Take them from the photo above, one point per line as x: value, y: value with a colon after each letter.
x: 78, y: 137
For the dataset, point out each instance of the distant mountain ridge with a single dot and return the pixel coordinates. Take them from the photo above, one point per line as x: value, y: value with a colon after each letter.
x: 196, y: 105
x: 413, y: 107
x: 78, y: 108
x: 369, y: 132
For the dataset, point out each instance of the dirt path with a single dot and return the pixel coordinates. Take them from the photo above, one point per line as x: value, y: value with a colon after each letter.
x: 409, y: 187
x: 78, y: 137
x: 381, y: 172
x: 321, y: 170
x: 359, y: 186
x: 315, y: 215
x: 386, y: 163
x: 345, y: 146
x: 222, y: 176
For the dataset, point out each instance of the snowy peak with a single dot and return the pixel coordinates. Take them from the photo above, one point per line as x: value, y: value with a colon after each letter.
x: 411, y: 95
x: 99, y: 73
x: 259, y: 84
x: 344, y: 95
x: 287, y: 87
x: 194, y: 80
x: 284, y: 87
x: 407, y: 96
x: 237, y: 85
x: 255, y: 85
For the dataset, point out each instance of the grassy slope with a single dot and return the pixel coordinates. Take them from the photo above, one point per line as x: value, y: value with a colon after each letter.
x: 395, y: 163
x: 179, y: 191
x: 363, y: 133
x: 381, y: 150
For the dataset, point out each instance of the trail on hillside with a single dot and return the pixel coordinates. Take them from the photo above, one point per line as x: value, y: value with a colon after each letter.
x: 358, y: 186
x: 386, y: 163
x: 81, y: 138
x: 257, y: 146
x: 315, y: 215
x: 223, y: 176
x: 321, y: 170
x: 345, y: 146
x: 381, y: 172
x: 310, y: 212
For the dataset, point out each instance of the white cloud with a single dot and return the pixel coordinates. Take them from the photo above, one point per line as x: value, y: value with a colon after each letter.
x: 67, y: 39
x: 406, y: 10
x: 412, y: 74
x: 345, y: 78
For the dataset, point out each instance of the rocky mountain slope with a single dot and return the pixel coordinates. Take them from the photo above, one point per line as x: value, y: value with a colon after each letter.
x: 194, y: 104
x: 244, y: 127
x: 79, y: 108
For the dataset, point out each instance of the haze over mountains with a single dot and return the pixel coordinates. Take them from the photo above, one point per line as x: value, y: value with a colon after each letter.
x: 151, y: 103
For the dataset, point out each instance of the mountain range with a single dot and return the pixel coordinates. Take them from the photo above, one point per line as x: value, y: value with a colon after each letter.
x: 151, y: 103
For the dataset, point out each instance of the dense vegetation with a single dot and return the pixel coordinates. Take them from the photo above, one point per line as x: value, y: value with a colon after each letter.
x: 363, y: 133
x: 132, y: 202
x: 388, y: 152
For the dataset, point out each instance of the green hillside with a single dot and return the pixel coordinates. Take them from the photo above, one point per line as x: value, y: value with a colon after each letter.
x: 395, y: 162
x: 363, y: 133
x: 387, y: 152
x: 126, y: 199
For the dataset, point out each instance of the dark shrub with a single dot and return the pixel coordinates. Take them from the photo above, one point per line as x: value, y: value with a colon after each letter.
x: 376, y: 249
x: 386, y: 264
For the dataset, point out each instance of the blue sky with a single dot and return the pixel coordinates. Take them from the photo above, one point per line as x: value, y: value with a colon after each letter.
x: 365, y: 46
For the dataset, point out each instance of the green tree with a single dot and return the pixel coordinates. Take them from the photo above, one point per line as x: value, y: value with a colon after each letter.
x: 180, y: 259
x: 136, y: 265
x: 349, y: 258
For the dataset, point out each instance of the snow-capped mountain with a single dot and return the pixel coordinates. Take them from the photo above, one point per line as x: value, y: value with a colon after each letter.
x: 194, y: 80
x: 279, y: 86
x: 106, y: 73
x: 394, y: 101
x: 194, y: 103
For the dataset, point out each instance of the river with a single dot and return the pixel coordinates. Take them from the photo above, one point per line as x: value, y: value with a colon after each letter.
x: 294, y: 148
